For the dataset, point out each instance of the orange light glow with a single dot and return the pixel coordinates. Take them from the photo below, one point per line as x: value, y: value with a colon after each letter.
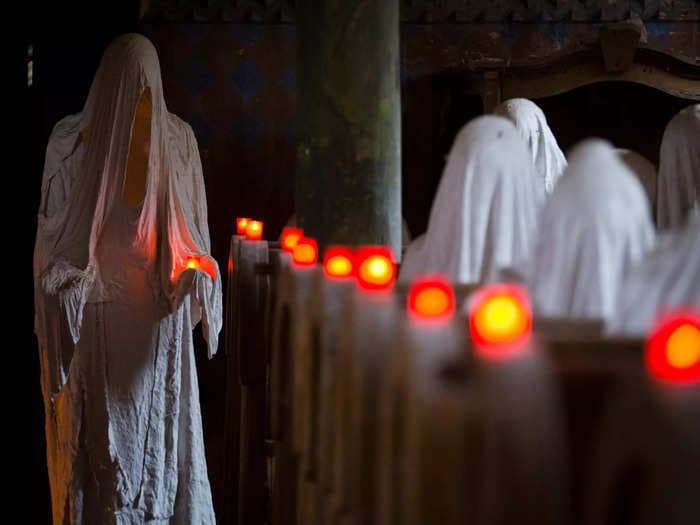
x: 376, y: 268
x: 500, y: 319
x: 290, y: 237
x: 196, y: 262
x: 254, y: 230
x: 305, y: 252
x: 431, y: 298
x: 337, y: 262
x: 241, y: 225
x: 673, y: 350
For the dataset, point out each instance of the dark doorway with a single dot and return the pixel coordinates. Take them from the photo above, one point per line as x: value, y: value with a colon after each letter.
x: 631, y: 116
x: 434, y: 108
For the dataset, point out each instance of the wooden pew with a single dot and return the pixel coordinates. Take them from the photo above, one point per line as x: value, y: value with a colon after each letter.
x: 250, y: 351
x: 228, y: 497
x: 371, y: 322
x: 290, y: 332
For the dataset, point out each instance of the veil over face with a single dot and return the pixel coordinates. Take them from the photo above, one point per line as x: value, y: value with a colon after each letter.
x: 532, y: 125
x: 123, y: 216
x: 484, y: 213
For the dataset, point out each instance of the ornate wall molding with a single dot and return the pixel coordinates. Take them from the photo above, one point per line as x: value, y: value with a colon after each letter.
x: 439, y: 11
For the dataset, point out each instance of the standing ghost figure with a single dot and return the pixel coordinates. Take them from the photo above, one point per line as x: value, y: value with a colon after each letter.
x: 678, y: 186
x: 122, y: 275
x: 533, y: 128
x: 484, y: 214
x: 643, y: 168
x: 666, y: 279
x: 595, y: 226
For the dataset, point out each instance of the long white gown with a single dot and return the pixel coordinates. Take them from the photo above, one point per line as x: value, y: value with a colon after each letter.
x: 116, y: 304
x: 595, y: 226
x: 484, y: 214
x: 678, y: 186
x: 532, y: 125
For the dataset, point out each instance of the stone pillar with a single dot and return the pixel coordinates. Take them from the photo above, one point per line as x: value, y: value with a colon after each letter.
x: 348, y: 170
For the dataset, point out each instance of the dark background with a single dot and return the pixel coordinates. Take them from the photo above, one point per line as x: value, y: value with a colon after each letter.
x: 235, y: 84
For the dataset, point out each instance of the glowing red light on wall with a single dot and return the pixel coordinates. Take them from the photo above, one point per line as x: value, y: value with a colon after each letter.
x: 305, y: 252
x: 500, y: 320
x: 290, y: 237
x: 431, y: 298
x: 673, y: 349
x: 241, y: 225
x: 376, y: 269
x: 254, y: 230
x: 338, y: 262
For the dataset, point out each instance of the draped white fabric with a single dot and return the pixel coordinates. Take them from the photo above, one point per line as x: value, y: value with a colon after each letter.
x: 116, y: 304
x: 678, y: 187
x: 644, y: 169
x: 665, y: 280
x: 533, y: 128
x: 594, y: 227
x: 484, y: 214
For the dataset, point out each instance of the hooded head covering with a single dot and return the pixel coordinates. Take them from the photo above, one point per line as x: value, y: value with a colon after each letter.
x: 594, y: 227
x: 644, y: 169
x: 532, y: 126
x: 678, y: 186
x: 82, y: 196
x: 668, y: 278
x: 484, y: 213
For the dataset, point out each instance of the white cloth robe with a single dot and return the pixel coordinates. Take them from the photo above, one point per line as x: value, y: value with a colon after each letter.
x: 531, y: 123
x: 595, y: 226
x: 644, y: 169
x: 484, y: 213
x: 666, y: 279
x: 115, y: 308
x: 678, y: 186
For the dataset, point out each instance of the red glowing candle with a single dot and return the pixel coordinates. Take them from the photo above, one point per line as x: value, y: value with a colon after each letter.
x: 376, y: 269
x: 673, y: 349
x: 241, y: 225
x: 290, y: 237
x: 305, y: 252
x: 254, y: 230
x: 431, y: 298
x: 338, y: 262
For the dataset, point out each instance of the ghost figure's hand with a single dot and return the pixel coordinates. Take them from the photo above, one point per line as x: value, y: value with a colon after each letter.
x: 196, y: 267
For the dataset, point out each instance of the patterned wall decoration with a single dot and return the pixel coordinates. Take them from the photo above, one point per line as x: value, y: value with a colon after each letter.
x: 440, y: 11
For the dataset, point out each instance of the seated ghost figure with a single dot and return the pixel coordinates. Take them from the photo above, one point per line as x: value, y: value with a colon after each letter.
x: 678, y: 185
x: 667, y: 279
x: 533, y: 128
x: 123, y: 273
x: 484, y: 214
x: 595, y: 226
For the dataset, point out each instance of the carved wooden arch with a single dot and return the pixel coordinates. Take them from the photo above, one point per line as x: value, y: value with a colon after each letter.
x: 497, y: 86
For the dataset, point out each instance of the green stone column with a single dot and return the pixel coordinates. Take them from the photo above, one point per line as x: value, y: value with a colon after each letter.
x: 348, y: 169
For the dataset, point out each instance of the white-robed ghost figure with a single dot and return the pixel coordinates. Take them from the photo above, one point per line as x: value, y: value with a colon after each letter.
x: 532, y: 125
x: 123, y: 273
x: 595, y: 226
x: 484, y: 214
x: 678, y: 185
x: 666, y: 279
x: 644, y: 169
